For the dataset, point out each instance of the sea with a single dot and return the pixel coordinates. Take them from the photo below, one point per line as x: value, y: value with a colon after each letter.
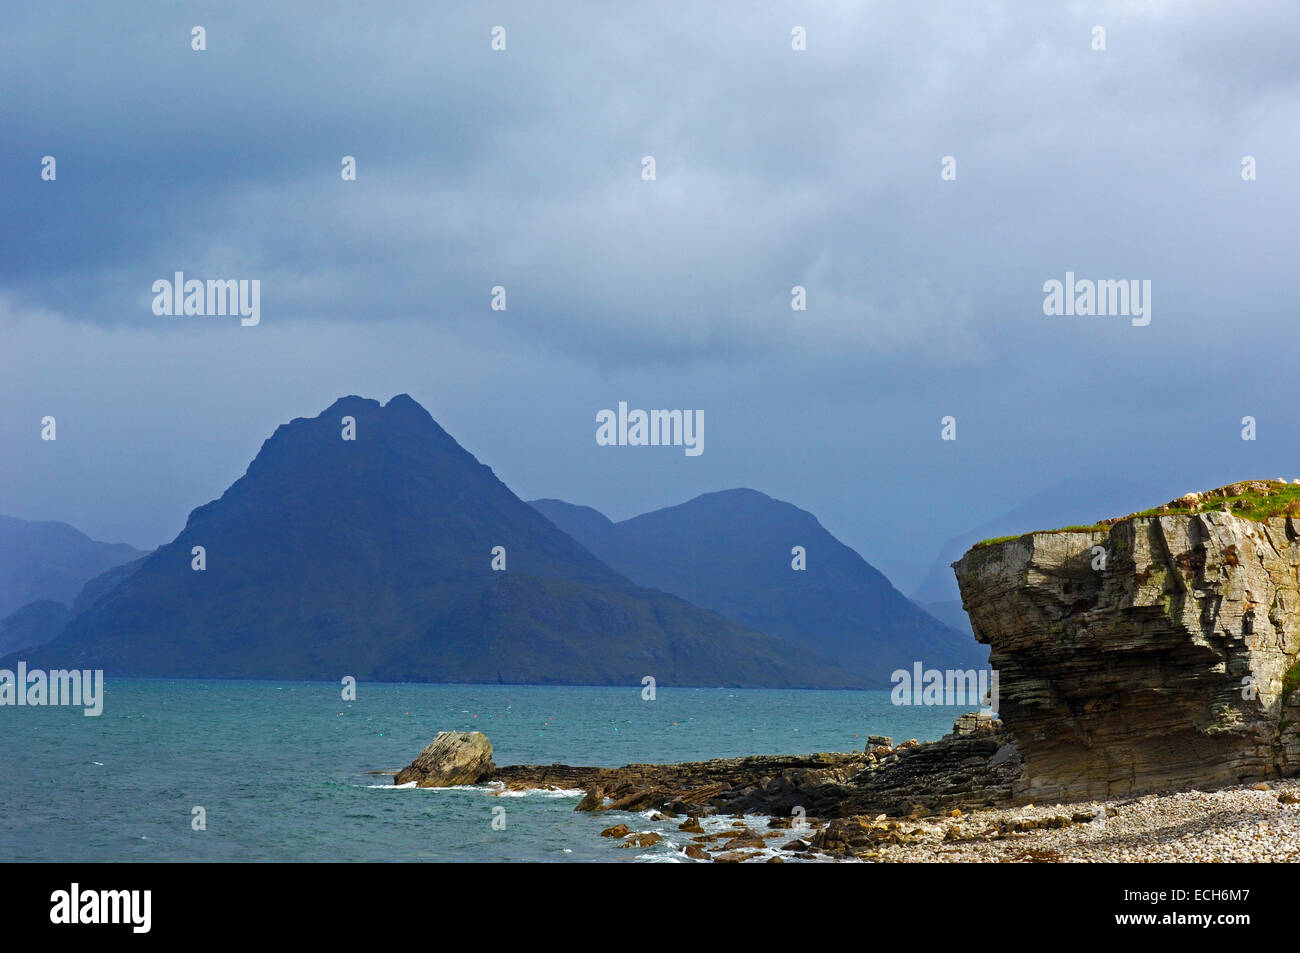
x: 248, y: 771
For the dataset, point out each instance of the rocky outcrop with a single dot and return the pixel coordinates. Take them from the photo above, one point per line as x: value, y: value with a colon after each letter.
x: 975, y: 766
x: 453, y: 757
x: 1149, y: 653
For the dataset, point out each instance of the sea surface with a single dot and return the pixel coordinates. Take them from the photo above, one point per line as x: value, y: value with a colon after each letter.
x: 280, y: 768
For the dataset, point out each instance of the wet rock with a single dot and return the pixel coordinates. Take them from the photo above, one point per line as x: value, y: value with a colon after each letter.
x: 959, y: 771
x: 452, y: 758
x: 746, y: 839
x: 733, y: 857
x: 644, y: 839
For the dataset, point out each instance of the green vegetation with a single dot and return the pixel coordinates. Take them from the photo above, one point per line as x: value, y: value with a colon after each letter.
x: 995, y: 540
x: 1252, y: 500
x: 1095, y: 528
x: 1291, y: 680
x: 1255, y: 500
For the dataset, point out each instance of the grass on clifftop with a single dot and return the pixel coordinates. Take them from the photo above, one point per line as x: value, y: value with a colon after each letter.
x: 1291, y: 680
x: 1252, y: 500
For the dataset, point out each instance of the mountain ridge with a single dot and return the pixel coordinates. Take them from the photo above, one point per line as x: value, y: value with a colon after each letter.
x: 50, y: 560
x: 373, y: 557
x: 731, y: 551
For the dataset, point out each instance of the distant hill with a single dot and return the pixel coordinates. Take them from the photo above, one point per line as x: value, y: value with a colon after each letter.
x: 50, y: 561
x: 731, y: 552
x: 372, y: 558
x: 951, y: 614
x: 34, y: 624
x: 41, y: 621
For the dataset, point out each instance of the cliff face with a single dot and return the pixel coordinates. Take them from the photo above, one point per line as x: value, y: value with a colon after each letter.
x: 1122, y: 651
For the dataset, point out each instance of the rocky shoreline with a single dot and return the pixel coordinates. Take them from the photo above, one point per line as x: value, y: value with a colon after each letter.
x: 977, y: 765
x: 951, y: 800
x: 1158, y: 652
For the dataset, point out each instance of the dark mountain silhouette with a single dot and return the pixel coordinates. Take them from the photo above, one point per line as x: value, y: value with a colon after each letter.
x: 372, y: 558
x: 50, y: 561
x: 731, y: 552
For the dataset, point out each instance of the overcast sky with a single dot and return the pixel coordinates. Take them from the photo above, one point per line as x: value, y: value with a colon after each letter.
x: 775, y: 168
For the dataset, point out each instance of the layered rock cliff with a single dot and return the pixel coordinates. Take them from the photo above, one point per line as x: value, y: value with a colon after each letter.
x: 1149, y: 652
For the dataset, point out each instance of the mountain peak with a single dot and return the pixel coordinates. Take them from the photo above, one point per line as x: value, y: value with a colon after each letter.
x: 383, y: 549
x: 731, y: 551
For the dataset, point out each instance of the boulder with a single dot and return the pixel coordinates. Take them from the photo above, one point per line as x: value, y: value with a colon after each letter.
x: 453, y: 757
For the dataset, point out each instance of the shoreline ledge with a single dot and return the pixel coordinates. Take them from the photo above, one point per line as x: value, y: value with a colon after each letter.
x: 975, y: 766
x: 951, y: 800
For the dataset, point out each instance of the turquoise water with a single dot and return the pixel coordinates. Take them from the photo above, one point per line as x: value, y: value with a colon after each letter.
x: 280, y: 767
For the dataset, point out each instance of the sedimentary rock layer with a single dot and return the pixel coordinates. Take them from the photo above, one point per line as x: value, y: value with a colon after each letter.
x: 1143, y: 655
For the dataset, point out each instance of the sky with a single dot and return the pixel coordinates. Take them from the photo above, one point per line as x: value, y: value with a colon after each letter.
x: 774, y: 168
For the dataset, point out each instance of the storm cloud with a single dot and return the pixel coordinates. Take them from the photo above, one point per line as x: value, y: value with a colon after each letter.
x: 775, y: 168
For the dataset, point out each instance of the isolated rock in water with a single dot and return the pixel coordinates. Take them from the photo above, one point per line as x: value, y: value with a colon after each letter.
x: 453, y: 757
x: 1155, y: 651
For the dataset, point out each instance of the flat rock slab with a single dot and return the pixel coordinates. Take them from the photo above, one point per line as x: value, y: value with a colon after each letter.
x: 976, y: 766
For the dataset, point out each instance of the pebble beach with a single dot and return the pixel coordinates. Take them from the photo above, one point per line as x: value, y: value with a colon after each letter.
x: 1248, y: 823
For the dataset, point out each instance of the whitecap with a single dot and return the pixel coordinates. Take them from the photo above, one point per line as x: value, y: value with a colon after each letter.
x: 544, y: 792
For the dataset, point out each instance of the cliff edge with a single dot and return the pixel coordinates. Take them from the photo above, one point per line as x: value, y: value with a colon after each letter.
x: 1149, y: 652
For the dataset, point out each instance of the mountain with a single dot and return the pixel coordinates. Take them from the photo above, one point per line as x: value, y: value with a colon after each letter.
x: 372, y: 558
x: 1069, y: 503
x: 731, y: 552
x: 34, y: 624
x: 50, y: 561
x: 950, y: 614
